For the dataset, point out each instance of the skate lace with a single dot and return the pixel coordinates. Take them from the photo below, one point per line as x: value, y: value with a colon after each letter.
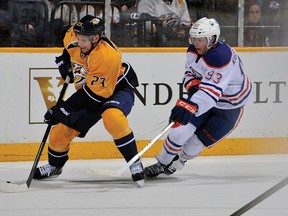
x: 136, y: 168
x: 171, y: 169
x: 156, y: 168
x: 46, y: 169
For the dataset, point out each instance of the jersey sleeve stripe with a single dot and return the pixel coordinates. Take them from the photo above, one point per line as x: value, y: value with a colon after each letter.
x: 243, y: 91
x: 241, y: 96
x: 213, y: 90
x: 208, y: 93
x: 240, y: 100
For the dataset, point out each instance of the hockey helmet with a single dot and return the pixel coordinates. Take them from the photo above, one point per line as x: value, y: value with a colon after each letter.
x: 205, y: 28
x: 90, y: 26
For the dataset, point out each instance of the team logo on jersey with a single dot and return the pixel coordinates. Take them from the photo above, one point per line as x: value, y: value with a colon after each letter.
x: 79, y: 74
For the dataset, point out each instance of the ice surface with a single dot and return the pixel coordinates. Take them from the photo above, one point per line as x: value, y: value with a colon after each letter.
x: 207, y: 186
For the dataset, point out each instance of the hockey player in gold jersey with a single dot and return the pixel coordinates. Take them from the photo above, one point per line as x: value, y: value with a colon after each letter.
x: 104, y: 91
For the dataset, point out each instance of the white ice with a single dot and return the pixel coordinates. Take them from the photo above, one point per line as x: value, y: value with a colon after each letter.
x: 207, y: 186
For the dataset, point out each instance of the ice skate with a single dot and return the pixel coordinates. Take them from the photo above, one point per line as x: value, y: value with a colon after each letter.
x: 176, y: 164
x: 154, y: 170
x: 47, y: 171
x: 137, y: 174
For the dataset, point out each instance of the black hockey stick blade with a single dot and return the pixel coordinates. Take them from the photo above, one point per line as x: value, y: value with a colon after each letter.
x: 261, y: 197
x: 14, y: 188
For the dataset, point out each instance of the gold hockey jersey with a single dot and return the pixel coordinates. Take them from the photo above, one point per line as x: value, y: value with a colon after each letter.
x: 99, y: 70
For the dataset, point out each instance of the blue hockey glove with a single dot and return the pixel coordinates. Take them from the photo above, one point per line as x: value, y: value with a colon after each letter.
x: 183, y: 111
x: 58, y: 113
x: 64, y: 68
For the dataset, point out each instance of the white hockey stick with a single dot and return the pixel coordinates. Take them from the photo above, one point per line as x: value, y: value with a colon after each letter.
x: 13, y: 188
x: 137, y: 156
x: 98, y: 171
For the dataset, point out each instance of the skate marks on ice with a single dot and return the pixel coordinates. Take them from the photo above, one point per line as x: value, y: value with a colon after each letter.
x: 78, y: 179
x: 207, y: 186
x: 204, y: 171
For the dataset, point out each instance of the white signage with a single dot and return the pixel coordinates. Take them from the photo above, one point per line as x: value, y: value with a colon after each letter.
x: 31, y: 83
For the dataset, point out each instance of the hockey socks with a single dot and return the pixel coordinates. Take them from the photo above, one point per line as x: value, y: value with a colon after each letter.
x: 127, y: 146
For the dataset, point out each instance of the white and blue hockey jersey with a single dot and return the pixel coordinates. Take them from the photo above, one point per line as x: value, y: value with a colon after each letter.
x: 223, y: 83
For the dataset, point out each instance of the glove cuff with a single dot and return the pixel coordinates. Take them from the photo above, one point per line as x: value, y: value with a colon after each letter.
x: 187, y: 104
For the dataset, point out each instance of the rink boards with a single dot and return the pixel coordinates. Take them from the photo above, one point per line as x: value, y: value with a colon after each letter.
x: 30, y: 83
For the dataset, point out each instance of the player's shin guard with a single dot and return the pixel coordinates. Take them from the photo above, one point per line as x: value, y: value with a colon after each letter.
x: 57, y: 159
x: 190, y: 150
x: 127, y: 147
x: 54, y: 167
x: 169, y: 152
x: 116, y: 124
x: 60, y: 137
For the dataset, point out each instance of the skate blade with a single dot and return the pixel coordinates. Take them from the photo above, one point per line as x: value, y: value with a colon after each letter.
x: 140, y: 183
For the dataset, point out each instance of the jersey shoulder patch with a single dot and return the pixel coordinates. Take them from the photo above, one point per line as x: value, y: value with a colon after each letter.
x: 218, y: 56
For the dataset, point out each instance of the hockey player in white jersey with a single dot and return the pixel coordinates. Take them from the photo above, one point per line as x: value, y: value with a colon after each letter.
x: 218, y: 89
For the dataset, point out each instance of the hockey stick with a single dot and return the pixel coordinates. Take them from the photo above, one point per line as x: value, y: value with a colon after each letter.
x: 137, y: 156
x: 97, y: 171
x: 261, y: 197
x: 134, y: 159
x: 107, y: 172
x: 10, y: 187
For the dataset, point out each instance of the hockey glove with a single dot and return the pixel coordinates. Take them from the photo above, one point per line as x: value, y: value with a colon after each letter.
x: 56, y: 114
x: 64, y: 68
x: 183, y: 111
x: 192, y: 86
